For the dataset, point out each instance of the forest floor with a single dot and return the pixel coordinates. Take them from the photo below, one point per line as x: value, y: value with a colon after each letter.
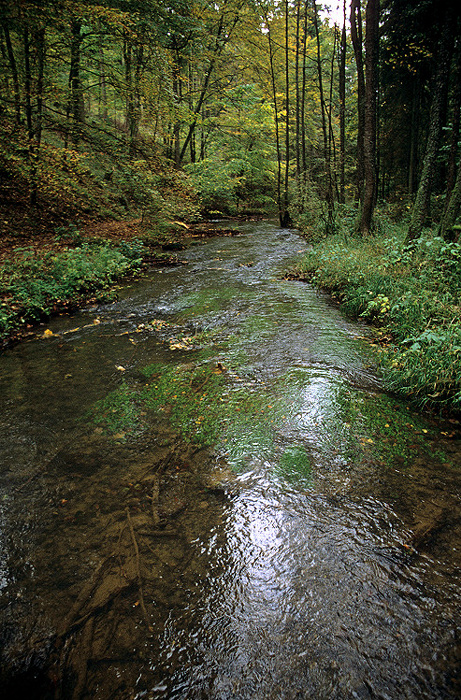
x: 40, y: 229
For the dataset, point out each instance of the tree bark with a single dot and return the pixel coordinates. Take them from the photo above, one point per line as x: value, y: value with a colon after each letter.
x: 371, y: 104
x: 455, y: 127
x: 439, y: 92
x: 76, y: 108
x: 326, y: 149
x: 277, y: 126
x: 452, y: 209
x: 357, y: 43
x: 342, y: 108
x: 286, y: 216
x: 14, y: 72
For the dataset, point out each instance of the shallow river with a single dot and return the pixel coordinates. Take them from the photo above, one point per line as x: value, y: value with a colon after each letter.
x: 205, y: 494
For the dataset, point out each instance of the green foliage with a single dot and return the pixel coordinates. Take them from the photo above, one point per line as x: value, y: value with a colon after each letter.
x: 238, y: 170
x: 31, y: 287
x: 413, y: 294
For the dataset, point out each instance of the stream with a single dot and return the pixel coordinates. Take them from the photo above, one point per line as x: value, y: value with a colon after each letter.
x: 206, y: 494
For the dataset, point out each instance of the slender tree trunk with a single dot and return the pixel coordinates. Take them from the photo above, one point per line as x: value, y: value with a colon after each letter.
x: 333, y: 184
x: 222, y: 38
x: 452, y: 210
x: 14, y: 72
x: 439, y: 91
x: 414, y: 131
x: 455, y: 128
x: 326, y: 149
x: 342, y: 109
x: 286, y: 216
x: 40, y: 45
x: 29, y: 119
x: 137, y: 105
x: 193, y: 147
x: 76, y: 109
x: 297, y: 107
x: 371, y: 104
x: 303, y: 98
x: 277, y: 125
x: 357, y: 43
x: 177, y: 94
x: 102, y: 107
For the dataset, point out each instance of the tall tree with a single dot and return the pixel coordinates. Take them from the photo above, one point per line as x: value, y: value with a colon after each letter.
x: 342, y: 107
x: 357, y: 43
x: 439, y: 92
x: 329, y: 198
x: 371, y: 104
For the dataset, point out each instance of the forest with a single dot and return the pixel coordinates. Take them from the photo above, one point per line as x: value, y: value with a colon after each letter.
x: 344, y: 125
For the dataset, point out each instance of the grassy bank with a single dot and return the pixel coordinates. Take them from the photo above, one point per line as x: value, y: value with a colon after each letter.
x: 412, y: 295
x: 34, y: 286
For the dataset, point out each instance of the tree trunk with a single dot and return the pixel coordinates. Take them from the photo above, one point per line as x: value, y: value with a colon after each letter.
x: 326, y: 150
x: 452, y: 209
x: 277, y: 126
x: 222, y: 38
x: 357, y: 43
x: 297, y: 106
x: 14, y: 72
x: 371, y: 103
x: 414, y: 132
x: 103, y: 112
x: 29, y: 119
x: 342, y: 109
x: 455, y: 125
x: 76, y: 108
x: 439, y: 91
x: 286, y: 216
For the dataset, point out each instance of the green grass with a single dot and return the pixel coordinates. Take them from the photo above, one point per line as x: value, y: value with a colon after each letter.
x: 412, y: 295
x: 32, y: 286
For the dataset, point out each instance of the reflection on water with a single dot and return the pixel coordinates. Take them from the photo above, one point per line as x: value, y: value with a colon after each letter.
x: 311, y: 552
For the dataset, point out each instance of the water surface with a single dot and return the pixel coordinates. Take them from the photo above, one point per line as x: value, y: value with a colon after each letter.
x: 272, y: 525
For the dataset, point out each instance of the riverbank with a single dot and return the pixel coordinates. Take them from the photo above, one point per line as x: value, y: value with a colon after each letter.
x: 411, y: 294
x: 79, y: 264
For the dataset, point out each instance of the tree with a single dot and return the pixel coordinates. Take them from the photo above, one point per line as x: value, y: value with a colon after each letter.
x: 439, y: 92
x: 357, y: 42
x: 371, y: 102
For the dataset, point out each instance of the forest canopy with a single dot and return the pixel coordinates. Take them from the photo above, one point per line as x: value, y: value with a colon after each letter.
x: 235, y: 106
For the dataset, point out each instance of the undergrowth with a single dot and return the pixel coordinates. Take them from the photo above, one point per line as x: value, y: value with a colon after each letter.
x: 411, y: 293
x: 32, y: 286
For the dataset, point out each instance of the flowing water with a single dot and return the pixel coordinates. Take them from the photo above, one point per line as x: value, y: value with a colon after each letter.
x: 205, y: 494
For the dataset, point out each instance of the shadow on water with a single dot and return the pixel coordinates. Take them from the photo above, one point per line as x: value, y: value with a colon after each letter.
x: 205, y: 494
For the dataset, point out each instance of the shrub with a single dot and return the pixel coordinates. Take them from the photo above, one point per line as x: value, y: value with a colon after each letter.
x: 412, y: 292
x: 31, y: 287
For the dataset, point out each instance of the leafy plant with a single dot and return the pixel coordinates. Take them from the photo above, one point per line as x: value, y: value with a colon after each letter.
x: 31, y: 287
x: 412, y: 292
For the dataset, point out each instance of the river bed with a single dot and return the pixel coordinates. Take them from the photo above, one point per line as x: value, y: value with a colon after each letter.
x: 205, y: 494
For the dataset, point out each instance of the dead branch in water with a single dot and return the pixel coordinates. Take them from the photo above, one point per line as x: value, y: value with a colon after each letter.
x: 138, y: 571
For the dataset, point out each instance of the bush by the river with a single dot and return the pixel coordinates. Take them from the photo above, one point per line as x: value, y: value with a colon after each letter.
x: 33, y: 285
x: 412, y: 294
